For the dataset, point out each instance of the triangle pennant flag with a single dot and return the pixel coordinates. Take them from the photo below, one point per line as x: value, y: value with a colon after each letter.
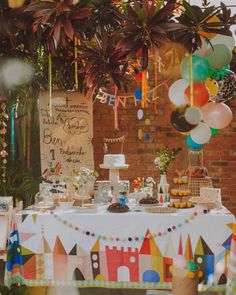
x: 24, y: 217
x: 26, y: 236
x: 34, y: 216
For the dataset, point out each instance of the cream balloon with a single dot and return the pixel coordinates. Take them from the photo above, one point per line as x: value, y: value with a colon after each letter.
x: 201, y: 134
x: 193, y: 115
x: 219, y: 56
x: 223, y: 39
x: 217, y: 115
x: 176, y: 92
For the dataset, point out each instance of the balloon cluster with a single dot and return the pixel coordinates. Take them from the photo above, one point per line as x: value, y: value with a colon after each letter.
x: 200, y: 96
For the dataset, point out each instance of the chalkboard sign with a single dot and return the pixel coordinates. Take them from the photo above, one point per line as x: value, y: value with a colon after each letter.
x: 66, y: 132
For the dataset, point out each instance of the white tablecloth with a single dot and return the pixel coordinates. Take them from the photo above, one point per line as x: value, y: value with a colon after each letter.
x: 121, y: 250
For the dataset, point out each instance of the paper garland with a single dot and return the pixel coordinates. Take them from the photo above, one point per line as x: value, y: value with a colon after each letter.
x: 3, y: 132
x: 105, y: 97
x: 130, y: 239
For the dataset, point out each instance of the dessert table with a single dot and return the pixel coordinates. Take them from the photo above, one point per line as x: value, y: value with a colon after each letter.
x: 132, y: 250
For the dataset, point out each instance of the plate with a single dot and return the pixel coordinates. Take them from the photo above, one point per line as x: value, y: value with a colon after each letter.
x: 119, y: 211
x: 161, y: 210
x: 65, y: 205
x: 125, y: 166
x: 150, y: 205
x: 81, y: 198
x: 43, y: 206
x: 86, y: 209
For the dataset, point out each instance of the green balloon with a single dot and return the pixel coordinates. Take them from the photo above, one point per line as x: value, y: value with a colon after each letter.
x: 214, y: 131
x: 219, y: 56
x: 191, y: 265
x: 201, y: 68
x: 218, y: 74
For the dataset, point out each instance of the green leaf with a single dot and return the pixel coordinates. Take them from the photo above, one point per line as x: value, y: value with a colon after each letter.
x: 191, y: 11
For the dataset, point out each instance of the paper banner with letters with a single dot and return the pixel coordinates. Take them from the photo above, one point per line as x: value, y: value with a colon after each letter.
x: 66, y: 132
x: 3, y: 231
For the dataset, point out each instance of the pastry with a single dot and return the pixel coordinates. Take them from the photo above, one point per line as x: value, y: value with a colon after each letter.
x: 181, y: 205
x: 118, y: 208
x: 148, y: 200
x: 180, y: 192
x: 197, y: 172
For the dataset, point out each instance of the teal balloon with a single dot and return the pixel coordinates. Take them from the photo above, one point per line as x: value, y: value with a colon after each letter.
x: 191, y: 266
x: 214, y: 131
x: 219, y: 56
x: 192, y: 144
x: 201, y: 68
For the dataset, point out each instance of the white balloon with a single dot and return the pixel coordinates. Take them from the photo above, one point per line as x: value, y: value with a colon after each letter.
x: 140, y: 114
x: 176, y: 92
x: 223, y: 39
x: 201, y: 134
x: 193, y: 115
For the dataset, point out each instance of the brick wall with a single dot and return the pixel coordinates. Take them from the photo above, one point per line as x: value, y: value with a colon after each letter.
x: 219, y: 154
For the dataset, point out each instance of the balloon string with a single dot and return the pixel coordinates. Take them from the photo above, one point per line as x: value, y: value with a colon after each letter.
x: 29, y: 142
x: 144, y: 89
x: 116, y: 109
x: 76, y: 65
x: 50, y: 82
x: 24, y: 136
x: 156, y: 81
x: 12, y: 132
x: 191, y: 79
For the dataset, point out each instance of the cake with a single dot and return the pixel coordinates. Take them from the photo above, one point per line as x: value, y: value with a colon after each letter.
x: 148, y: 201
x: 114, y: 160
x: 118, y: 208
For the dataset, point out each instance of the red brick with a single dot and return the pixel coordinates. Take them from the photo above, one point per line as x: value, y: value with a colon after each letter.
x: 219, y: 154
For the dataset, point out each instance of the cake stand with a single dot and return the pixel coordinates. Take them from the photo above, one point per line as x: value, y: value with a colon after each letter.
x: 114, y: 175
x: 81, y: 198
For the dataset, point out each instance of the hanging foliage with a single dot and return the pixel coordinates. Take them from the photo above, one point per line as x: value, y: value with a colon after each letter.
x: 137, y: 28
x: 54, y: 22
x: 146, y: 27
x: 196, y: 24
x: 102, y: 65
x: 105, y: 18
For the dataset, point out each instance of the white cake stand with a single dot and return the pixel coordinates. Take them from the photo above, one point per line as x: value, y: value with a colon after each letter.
x: 114, y: 174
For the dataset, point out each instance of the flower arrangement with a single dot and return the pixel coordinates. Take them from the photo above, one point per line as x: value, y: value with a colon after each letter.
x: 137, y: 183
x: 148, y: 186
x: 83, y: 177
x: 165, y: 158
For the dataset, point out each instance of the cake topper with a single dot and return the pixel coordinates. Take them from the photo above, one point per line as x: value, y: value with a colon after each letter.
x: 113, y: 140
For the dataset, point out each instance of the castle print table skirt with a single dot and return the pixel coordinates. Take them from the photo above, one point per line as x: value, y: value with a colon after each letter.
x: 128, y: 250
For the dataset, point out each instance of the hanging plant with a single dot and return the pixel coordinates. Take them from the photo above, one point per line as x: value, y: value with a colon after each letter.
x: 104, y: 19
x: 146, y: 26
x: 14, y: 35
x: 196, y: 24
x: 55, y: 22
x: 103, y: 65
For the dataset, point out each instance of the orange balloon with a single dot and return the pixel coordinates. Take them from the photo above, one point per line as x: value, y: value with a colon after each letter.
x: 213, y: 19
x: 200, y: 94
